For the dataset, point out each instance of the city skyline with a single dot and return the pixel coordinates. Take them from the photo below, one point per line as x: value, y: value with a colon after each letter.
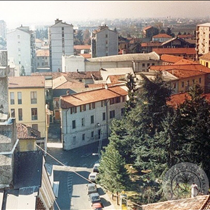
x: 15, y: 13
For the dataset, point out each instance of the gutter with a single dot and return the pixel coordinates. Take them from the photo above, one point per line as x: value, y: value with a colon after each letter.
x: 12, y: 151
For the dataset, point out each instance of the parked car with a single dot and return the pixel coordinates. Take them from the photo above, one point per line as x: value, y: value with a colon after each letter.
x: 94, y: 198
x: 92, y: 176
x: 97, y: 206
x: 91, y: 188
x: 95, y: 167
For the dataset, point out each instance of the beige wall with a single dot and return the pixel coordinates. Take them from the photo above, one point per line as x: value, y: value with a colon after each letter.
x: 26, y: 107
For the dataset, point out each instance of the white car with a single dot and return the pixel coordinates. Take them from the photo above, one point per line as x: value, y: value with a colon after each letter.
x: 95, y: 167
x: 92, y: 176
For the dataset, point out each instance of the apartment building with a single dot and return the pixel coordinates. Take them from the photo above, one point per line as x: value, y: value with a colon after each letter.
x: 3, y: 29
x: 86, y: 117
x: 21, y: 50
x: 202, y: 39
x: 60, y: 43
x: 42, y: 59
x: 104, y: 42
x: 27, y: 101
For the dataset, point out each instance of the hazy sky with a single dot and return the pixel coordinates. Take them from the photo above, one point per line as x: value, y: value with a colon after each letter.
x: 45, y: 12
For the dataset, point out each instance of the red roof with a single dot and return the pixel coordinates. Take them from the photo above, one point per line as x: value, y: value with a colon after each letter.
x: 86, y: 55
x: 151, y: 44
x: 26, y: 82
x: 162, y: 36
x: 178, y: 99
x: 91, y: 96
x: 194, y: 67
x: 170, y: 58
x: 188, y: 51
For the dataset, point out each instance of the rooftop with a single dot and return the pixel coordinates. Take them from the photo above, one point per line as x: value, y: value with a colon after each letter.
x: 205, y: 56
x: 26, y: 82
x: 188, y: 51
x: 162, y: 36
x: 126, y: 57
x: 91, y: 96
x: 197, y: 203
x: 170, y: 58
x: 45, y: 53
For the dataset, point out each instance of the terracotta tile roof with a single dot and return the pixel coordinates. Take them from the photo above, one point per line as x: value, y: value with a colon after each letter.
x: 205, y: 56
x: 45, y: 53
x: 117, y: 78
x: 183, y: 73
x: 162, y: 36
x: 187, y: 51
x: 86, y: 55
x: 38, y: 40
x: 91, y: 96
x: 194, y: 67
x: 82, y: 47
x: 26, y: 132
x: 26, y: 82
x: 185, y: 61
x: 150, y: 44
x: 185, y: 36
x: 170, y: 58
x: 196, y: 203
x: 178, y: 99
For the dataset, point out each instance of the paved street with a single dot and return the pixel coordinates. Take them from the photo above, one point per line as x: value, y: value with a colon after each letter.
x: 72, y: 189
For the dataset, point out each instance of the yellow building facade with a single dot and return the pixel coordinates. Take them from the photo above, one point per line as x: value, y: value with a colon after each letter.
x: 205, y: 60
x: 27, y: 101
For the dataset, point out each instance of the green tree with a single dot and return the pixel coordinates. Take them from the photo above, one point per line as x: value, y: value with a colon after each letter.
x: 112, y: 172
x: 145, y: 119
x: 131, y: 85
x: 195, y: 113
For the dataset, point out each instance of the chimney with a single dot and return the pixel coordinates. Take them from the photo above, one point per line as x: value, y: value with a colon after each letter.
x: 106, y: 86
x: 67, y: 92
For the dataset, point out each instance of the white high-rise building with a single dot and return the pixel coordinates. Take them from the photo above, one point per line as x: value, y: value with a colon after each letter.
x: 3, y: 29
x: 21, y: 50
x: 104, y: 42
x: 61, y: 43
x: 202, y: 39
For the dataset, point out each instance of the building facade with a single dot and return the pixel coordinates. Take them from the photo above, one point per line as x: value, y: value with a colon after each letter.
x: 104, y: 42
x: 60, y: 43
x: 86, y: 117
x: 21, y: 50
x: 27, y: 101
x: 202, y: 39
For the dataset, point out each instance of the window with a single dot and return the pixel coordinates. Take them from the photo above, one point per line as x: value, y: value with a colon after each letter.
x: 83, y: 121
x: 148, y: 64
x: 20, y: 115
x: 83, y: 137
x: 143, y: 64
x: 111, y: 101
x: 12, y: 98
x: 122, y: 111
x: 12, y: 112
x: 112, y: 114
x: 193, y: 81
x: 174, y: 85
x: 19, y: 98
x: 103, y: 103
x: 92, y: 134
x: 33, y: 97
x: 18, y: 36
x: 117, y: 100
x: 182, y: 84
x: 103, y: 116
x: 92, y: 119
x: 199, y: 80
x: 73, y: 124
x: 106, y: 36
x: 34, y: 114
x: 82, y: 108
x: 91, y: 105
x: 73, y: 110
